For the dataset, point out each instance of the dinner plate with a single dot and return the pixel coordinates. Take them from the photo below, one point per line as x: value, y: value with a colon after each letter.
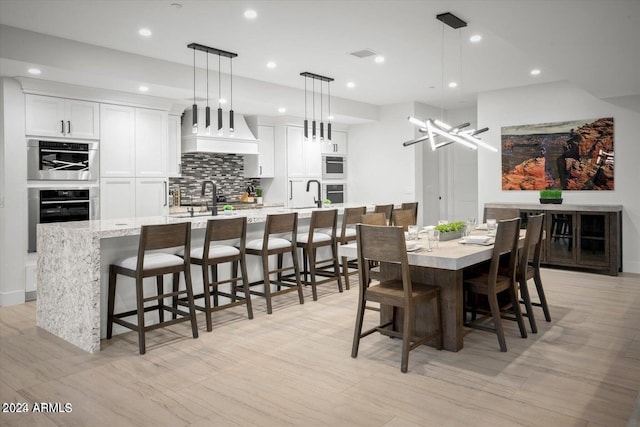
x: 412, y: 248
x: 481, y: 227
x: 478, y: 242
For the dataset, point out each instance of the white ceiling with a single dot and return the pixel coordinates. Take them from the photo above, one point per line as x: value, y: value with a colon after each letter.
x: 593, y: 43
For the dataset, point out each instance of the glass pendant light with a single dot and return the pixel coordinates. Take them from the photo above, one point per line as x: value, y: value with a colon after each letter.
x: 219, y: 97
x: 321, y: 122
x: 329, y: 124
x: 306, y: 122
x: 207, y: 110
x: 231, y: 96
x: 194, y: 109
x: 313, y: 123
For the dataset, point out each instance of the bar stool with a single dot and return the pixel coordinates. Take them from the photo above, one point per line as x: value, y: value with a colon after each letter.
x: 386, y: 210
x: 350, y: 218
x: 218, y: 249
x: 155, y: 238
x: 275, y: 242
x: 322, y: 233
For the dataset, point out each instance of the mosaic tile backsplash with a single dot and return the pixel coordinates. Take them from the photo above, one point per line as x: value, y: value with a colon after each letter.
x: 226, y: 170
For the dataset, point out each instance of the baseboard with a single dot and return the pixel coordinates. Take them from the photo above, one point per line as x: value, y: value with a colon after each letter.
x: 30, y: 296
x: 12, y: 298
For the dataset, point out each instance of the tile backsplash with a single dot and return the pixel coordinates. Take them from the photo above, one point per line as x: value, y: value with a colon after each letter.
x: 226, y: 170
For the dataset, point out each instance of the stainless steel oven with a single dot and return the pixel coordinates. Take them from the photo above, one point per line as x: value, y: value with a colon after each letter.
x: 48, y: 205
x: 58, y: 160
x: 334, y: 167
x: 336, y: 192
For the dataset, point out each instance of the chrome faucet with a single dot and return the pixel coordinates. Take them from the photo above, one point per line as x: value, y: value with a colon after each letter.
x: 318, y: 202
x: 214, y: 196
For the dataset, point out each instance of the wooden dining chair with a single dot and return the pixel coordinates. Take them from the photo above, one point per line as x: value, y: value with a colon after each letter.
x: 412, y: 206
x: 403, y: 219
x: 385, y: 209
x: 350, y: 217
x: 490, y: 283
x: 377, y: 218
x: 387, y: 245
x: 500, y: 213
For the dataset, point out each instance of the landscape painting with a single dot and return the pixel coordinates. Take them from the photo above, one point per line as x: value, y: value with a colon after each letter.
x: 573, y: 155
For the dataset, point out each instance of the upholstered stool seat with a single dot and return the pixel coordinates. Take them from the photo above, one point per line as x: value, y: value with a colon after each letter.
x: 350, y: 218
x: 272, y: 243
x: 151, y: 261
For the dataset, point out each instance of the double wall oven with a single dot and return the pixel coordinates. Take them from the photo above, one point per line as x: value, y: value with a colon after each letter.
x: 62, y: 183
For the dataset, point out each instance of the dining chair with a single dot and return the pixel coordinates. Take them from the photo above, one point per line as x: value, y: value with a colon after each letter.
x: 385, y: 209
x: 387, y: 245
x: 489, y: 282
x: 156, y: 257
x: 377, y: 218
x: 350, y: 217
x: 529, y: 268
x: 413, y: 206
x: 403, y: 218
x: 500, y: 213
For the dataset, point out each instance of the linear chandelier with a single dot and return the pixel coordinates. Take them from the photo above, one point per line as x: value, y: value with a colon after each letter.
x: 212, y: 50
x: 434, y: 128
x: 322, y: 79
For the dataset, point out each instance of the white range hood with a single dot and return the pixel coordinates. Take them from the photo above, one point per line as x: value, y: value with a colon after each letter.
x: 241, y: 141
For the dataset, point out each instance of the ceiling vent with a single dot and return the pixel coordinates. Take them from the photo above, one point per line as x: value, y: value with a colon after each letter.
x: 364, y: 53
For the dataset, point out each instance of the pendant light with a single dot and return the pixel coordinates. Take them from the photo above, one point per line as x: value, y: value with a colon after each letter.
x: 207, y: 110
x: 313, y: 123
x: 321, y: 122
x: 231, y: 96
x: 219, y: 97
x: 433, y: 127
x: 329, y: 118
x: 322, y: 79
x: 306, y: 122
x: 194, y: 109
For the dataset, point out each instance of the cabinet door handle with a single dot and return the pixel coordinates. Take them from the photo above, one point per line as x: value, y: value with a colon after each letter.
x: 69, y: 127
x: 165, y: 192
x: 290, y: 190
x: 62, y: 127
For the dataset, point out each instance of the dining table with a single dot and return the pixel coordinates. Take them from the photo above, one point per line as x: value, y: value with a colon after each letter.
x: 441, y: 266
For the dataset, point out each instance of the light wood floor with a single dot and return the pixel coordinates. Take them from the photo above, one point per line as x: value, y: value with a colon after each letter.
x: 294, y: 368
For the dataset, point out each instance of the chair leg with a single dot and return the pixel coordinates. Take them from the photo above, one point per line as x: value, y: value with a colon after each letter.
x: 176, y: 284
x: 214, y: 278
x: 305, y: 268
x: 543, y: 298
x: 406, y: 338
x: 311, y: 258
x: 438, y: 318
x: 296, y: 269
x: 267, y: 283
x: 111, y: 301
x: 234, y: 284
x: 336, y: 266
x: 245, y: 286
x: 279, y: 275
x: 160, y: 289
x: 524, y: 290
x: 192, y: 304
x: 345, y: 272
x: 497, y: 320
x: 359, y: 320
x: 517, y: 312
x: 140, y: 308
x: 206, y: 286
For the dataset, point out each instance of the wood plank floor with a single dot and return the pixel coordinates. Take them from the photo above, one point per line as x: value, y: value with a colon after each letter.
x: 294, y: 368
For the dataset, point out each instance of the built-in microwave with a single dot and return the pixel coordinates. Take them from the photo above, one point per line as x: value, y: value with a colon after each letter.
x: 334, y: 167
x: 335, y: 191
x: 60, y: 160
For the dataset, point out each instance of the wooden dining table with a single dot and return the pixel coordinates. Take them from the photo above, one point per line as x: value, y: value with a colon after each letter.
x: 443, y: 267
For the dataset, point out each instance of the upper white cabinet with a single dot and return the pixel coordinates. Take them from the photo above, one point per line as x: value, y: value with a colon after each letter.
x: 117, y: 145
x: 263, y: 164
x: 337, y: 145
x: 63, y: 118
x: 304, y: 157
x: 151, y: 143
x: 174, y: 151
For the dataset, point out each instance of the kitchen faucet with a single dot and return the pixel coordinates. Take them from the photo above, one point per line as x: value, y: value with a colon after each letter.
x: 214, y: 196
x: 319, y: 201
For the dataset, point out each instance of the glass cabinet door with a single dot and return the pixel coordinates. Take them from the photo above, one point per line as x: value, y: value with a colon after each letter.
x: 561, y: 237
x: 593, y: 242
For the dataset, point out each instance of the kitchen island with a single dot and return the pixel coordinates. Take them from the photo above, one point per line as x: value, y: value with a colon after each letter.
x: 73, y: 263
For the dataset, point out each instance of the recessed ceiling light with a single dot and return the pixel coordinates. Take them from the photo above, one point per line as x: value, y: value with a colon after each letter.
x: 143, y: 89
x: 535, y: 72
x: 379, y: 59
x: 351, y: 85
x: 271, y: 64
x: 250, y: 14
x: 282, y: 110
x: 475, y: 38
x: 144, y: 32
x: 223, y: 100
x: 34, y: 71
x: 453, y: 84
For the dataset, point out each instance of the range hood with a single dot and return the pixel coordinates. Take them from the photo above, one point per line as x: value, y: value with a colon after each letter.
x: 241, y: 141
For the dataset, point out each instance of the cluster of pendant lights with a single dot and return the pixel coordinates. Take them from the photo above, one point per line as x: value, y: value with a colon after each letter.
x: 220, y: 53
x: 322, y: 79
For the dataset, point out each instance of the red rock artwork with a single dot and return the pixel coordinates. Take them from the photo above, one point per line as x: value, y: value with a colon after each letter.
x: 574, y: 155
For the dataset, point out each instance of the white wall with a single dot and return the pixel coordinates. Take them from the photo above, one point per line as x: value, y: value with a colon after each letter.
x: 558, y: 102
x: 380, y: 169
x: 13, y: 168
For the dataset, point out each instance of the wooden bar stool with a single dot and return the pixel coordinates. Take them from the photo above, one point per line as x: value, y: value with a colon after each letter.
x: 280, y: 232
x: 322, y: 233
x: 350, y: 218
x: 155, y: 264
x: 224, y: 242
x: 387, y: 245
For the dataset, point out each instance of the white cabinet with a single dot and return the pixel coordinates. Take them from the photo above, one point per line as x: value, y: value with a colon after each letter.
x: 304, y: 158
x: 117, y: 198
x: 117, y: 141
x: 151, y: 143
x: 298, y: 195
x: 152, y: 197
x: 60, y: 117
x: 262, y: 165
x: 174, y: 149
x: 337, y: 145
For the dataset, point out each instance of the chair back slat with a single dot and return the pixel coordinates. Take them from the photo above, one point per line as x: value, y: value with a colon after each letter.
x: 350, y: 216
x: 381, y: 243
x: 506, y: 241
x: 403, y: 218
x: 226, y: 229
x: 385, y: 209
x: 377, y: 218
x: 532, y: 241
x: 164, y: 236
x: 281, y: 223
x: 324, y: 218
x: 500, y: 213
x: 412, y: 206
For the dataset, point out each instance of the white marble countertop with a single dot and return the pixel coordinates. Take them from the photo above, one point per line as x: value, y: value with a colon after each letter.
x: 556, y: 207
